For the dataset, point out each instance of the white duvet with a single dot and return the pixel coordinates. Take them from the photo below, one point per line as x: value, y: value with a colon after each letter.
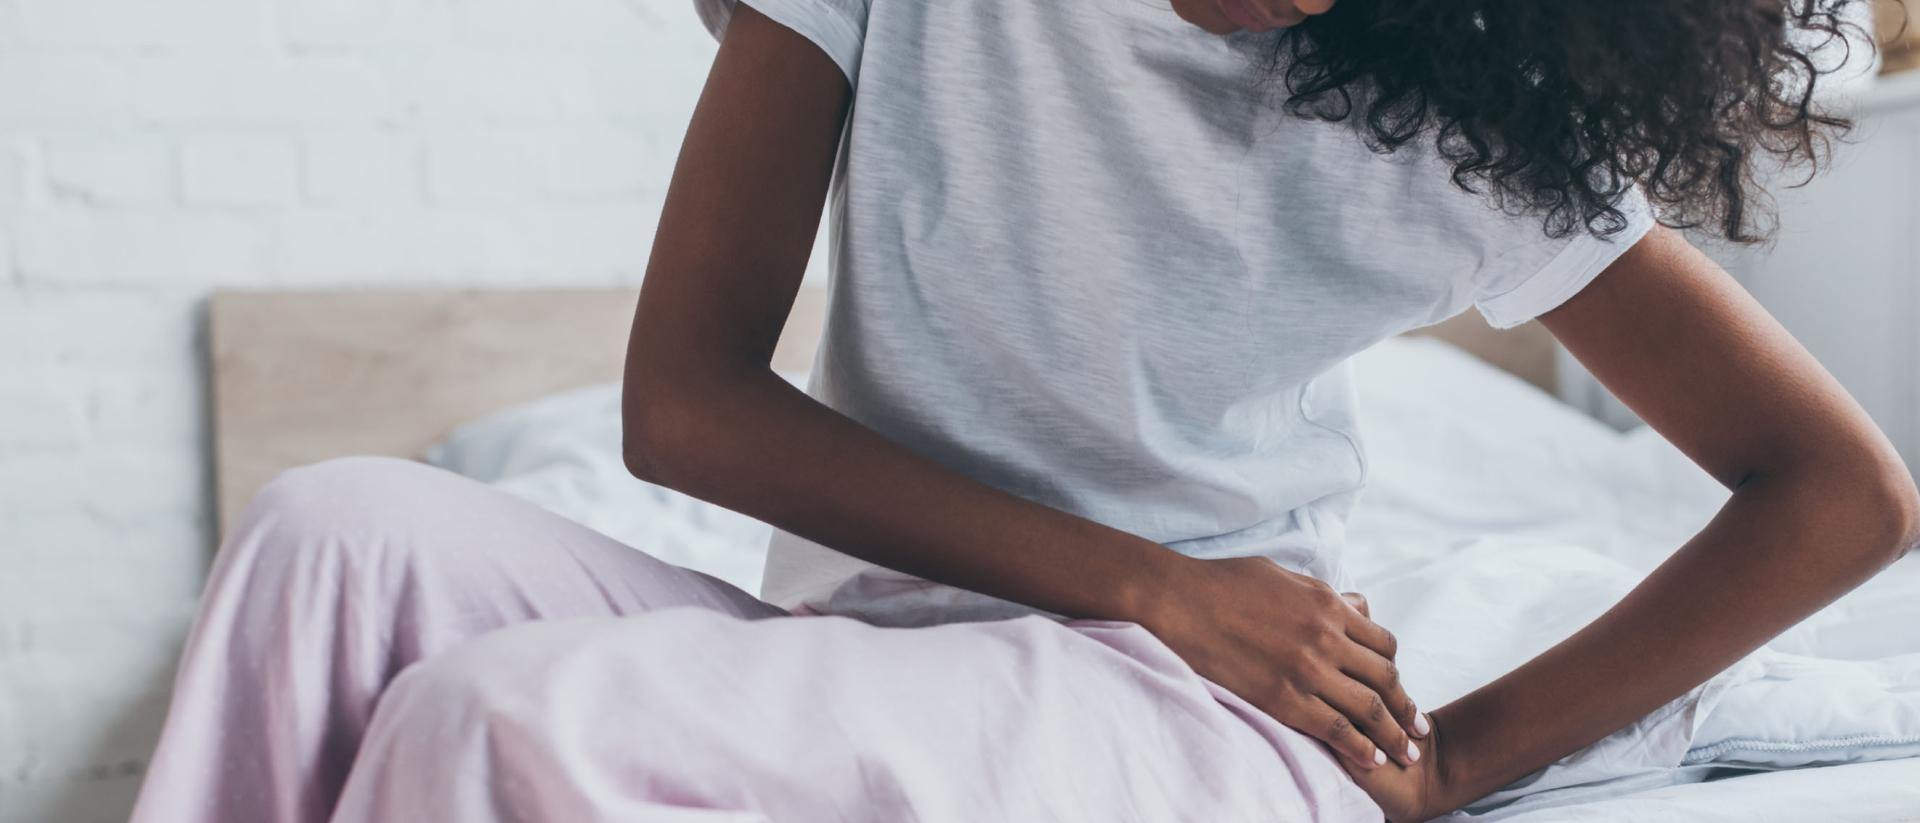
x: 1496, y: 522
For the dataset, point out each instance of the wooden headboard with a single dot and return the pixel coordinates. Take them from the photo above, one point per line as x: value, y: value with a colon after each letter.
x: 303, y: 376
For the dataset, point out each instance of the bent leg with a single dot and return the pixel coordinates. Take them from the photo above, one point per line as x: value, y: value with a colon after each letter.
x: 693, y: 715
x: 339, y: 576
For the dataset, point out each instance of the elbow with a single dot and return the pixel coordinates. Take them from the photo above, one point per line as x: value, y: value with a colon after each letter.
x: 637, y: 449
x: 1907, y: 527
x: 1859, y: 513
x: 650, y: 425
x: 648, y: 420
x: 1890, y: 504
x: 639, y: 458
x: 680, y: 424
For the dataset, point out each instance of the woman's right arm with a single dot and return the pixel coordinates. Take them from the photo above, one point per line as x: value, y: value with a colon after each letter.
x: 705, y: 414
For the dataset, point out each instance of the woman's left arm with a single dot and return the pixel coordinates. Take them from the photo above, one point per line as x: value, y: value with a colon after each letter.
x: 1821, y: 502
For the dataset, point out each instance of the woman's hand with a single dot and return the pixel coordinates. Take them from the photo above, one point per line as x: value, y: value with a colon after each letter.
x: 1300, y: 651
x: 1410, y: 794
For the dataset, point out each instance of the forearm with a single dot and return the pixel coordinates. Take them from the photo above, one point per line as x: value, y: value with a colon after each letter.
x: 1775, y: 554
x: 747, y: 440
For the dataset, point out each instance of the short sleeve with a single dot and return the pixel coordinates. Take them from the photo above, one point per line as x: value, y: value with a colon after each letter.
x: 838, y: 27
x: 1535, y: 277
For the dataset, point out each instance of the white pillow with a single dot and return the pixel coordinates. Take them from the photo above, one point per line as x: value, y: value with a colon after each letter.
x: 562, y: 452
x: 1460, y: 452
x: 1466, y: 456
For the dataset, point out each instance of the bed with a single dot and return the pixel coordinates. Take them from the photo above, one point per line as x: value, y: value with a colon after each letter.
x: 1481, y: 483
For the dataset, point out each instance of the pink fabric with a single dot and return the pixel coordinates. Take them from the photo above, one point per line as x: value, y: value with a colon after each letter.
x: 526, y: 668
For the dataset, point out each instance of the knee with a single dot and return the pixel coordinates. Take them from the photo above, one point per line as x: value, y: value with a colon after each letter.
x: 313, y: 520
x: 345, y: 495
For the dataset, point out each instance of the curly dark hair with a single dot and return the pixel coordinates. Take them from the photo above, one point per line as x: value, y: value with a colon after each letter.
x: 1558, y: 107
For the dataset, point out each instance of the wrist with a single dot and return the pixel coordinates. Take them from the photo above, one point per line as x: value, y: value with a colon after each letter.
x: 1466, y: 773
x: 1151, y: 596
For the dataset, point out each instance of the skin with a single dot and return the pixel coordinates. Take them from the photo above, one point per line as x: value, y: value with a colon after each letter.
x: 1820, y: 499
x: 1229, y: 16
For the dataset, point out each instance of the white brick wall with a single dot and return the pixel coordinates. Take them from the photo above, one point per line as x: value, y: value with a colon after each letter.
x: 151, y: 152
x: 109, y: 171
x: 241, y: 172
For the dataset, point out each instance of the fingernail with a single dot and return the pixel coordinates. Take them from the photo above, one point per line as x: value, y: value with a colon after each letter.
x: 1413, y: 752
x: 1422, y: 726
x: 1379, y: 757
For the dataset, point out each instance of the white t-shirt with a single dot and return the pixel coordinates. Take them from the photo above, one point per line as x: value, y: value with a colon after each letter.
x: 1081, y: 254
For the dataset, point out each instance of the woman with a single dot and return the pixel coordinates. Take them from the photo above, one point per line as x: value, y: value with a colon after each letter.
x: 1097, y: 267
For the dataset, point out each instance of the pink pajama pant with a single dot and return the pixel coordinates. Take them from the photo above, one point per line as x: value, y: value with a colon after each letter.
x: 384, y: 641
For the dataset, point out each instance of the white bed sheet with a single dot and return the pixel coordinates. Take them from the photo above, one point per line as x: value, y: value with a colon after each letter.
x: 1884, y: 792
x: 1493, y: 511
